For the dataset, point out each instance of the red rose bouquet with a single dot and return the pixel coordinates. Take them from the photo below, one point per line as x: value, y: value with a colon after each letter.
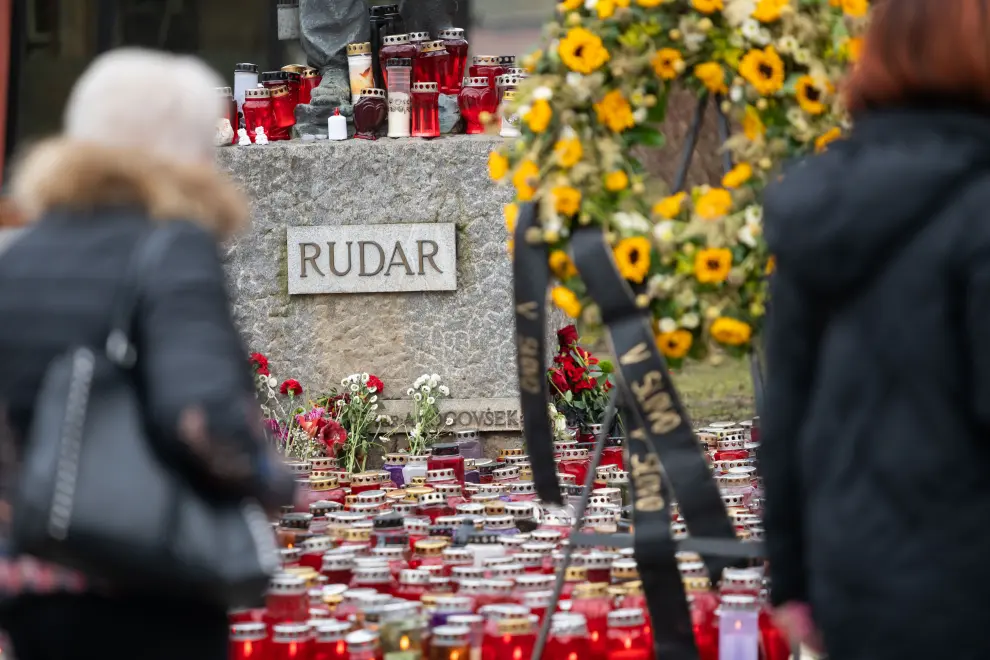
x: 579, y: 381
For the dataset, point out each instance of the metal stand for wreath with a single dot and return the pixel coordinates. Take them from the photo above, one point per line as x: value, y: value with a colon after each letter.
x: 709, y: 547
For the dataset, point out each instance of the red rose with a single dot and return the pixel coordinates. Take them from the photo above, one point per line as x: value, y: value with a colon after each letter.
x: 567, y: 337
x: 375, y: 381
x: 333, y: 435
x: 585, y: 355
x: 559, y: 380
x: 260, y: 364
x: 291, y: 387
x: 585, y: 385
x: 573, y: 371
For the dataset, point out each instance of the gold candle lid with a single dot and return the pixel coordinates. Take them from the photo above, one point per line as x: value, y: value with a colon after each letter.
x: 625, y: 569
x: 311, y: 73
x: 258, y: 93
x: 576, y: 574
x: 518, y: 626
x: 295, y: 68
x: 486, y: 60
x: 396, y: 495
x: 510, y: 95
x: 363, y: 48
x: 413, y: 493
x: 591, y: 589
x: 280, y: 91
x: 510, y: 451
x: 431, y: 547
x: 429, y: 600
x: 697, y: 584
x: 357, y: 535
x: 495, y: 508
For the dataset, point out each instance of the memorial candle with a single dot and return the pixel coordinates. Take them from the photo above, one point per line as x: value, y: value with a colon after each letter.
x: 396, y: 46
x: 457, y: 47
x: 248, y: 641
x: 627, y: 638
x: 258, y: 111
x: 450, y: 643
x: 291, y: 641
x: 330, y: 644
x: 430, y: 63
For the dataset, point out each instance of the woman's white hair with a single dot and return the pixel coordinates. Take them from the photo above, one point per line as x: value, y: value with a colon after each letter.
x: 147, y: 100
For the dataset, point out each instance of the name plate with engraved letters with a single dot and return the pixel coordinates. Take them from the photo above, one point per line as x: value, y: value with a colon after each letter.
x: 501, y: 414
x: 372, y: 258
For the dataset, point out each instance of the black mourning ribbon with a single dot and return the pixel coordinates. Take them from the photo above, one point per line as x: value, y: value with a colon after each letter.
x: 531, y: 273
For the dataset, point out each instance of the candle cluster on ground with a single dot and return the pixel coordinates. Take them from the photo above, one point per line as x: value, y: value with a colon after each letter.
x: 443, y: 557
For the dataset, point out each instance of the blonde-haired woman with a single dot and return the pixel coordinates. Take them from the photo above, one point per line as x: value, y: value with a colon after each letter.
x: 136, y: 152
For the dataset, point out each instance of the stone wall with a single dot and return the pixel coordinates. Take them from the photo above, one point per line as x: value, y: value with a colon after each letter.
x: 464, y: 335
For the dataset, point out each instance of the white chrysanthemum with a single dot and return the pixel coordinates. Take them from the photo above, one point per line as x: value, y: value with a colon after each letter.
x: 750, y: 29
x: 568, y: 133
x: 787, y: 44
x: 802, y: 56
x: 340, y: 403
x: 410, y: 392
x: 431, y: 400
x: 736, y: 94
x: 450, y: 421
x: 373, y: 399
x: 444, y: 390
x: 344, y: 382
x: 543, y: 92
x: 747, y: 235
x: 690, y: 321
x: 667, y: 324
x: 754, y: 214
x: 365, y: 377
x: 374, y: 406
x: 418, y: 396
x: 272, y: 381
x: 631, y: 222
x: 372, y: 389
x: 794, y: 114
x: 663, y: 232
x: 686, y: 298
x: 640, y: 115
x: 354, y: 387
x: 425, y: 389
x: 694, y: 41
x: 383, y: 419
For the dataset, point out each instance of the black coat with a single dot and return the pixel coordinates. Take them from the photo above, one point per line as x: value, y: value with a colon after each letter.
x: 877, y: 422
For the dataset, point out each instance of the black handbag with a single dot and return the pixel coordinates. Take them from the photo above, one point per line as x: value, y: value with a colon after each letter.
x: 94, y: 495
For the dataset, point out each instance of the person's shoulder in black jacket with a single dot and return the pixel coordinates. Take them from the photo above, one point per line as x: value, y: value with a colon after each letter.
x: 91, y: 204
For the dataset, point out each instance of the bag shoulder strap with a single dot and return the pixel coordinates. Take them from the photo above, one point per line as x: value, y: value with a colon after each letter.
x: 144, y: 259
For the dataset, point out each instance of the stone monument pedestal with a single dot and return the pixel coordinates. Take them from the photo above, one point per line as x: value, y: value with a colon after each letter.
x: 364, y: 198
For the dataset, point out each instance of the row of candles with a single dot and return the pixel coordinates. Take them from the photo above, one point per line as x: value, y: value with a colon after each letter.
x: 441, y: 557
x: 396, y: 90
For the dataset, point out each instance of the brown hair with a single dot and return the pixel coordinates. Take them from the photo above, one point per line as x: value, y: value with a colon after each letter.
x: 923, y: 51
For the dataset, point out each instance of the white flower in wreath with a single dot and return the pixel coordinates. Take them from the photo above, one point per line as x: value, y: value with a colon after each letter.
x: 787, y: 44
x: 344, y: 382
x: 354, y: 387
x: 736, y: 94
x: 590, y: 4
x: 750, y: 29
x: 663, y: 232
x: 372, y: 389
x: 383, y: 419
x: 272, y: 382
x: 631, y: 222
x: 431, y: 400
x: 686, y: 298
x: 690, y: 321
x: 425, y: 389
x: 374, y: 406
x: 543, y: 93
x: 754, y: 214
x: 640, y: 115
x: 410, y: 392
x: 365, y: 378
x: 418, y: 396
x: 748, y: 234
x: 435, y: 379
x: 802, y: 56
x: 667, y: 324
x: 694, y: 41
x: 373, y: 399
x: 444, y: 390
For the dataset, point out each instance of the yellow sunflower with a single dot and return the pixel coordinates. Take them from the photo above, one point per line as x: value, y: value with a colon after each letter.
x: 565, y: 299
x: 763, y: 69
x: 582, y: 51
x: 707, y: 6
x: 771, y: 265
x: 855, y: 8
x: 809, y: 95
x: 670, y: 207
x: 561, y: 265
x: 511, y: 214
x: 676, y: 344
x: 650, y: 3
x: 712, y: 266
x: 738, y: 175
x: 854, y: 49
x: 712, y: 75
x: 566, y: 200
x: 731, y: 332
x: 569, y: 152
x: 531, y: 61
x: 539, y: 116
x: 713, y: 204
x: 827, y: 138
x: 523, y: 180
x: 498, y: 166
x: 615, y: 112
x: 605, y: 9
x: 752, y: 125
x: 632, y: 256
x: 768, y: 11
x: 616, y: 181
x: 570, y: 5
x: 668, y: 63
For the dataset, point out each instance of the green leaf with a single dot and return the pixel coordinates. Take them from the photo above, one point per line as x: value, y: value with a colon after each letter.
x: 645, y: 135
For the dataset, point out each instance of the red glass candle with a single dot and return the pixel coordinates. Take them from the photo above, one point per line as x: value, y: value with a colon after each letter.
x: 704, y: 620
x: 457, y: 48
x: 450, y: 643
x: 488, y: 67
x: 428, y: 552
x: 412, y: 584
x: 313, y: 550
x: 575, y: 462
x: 330, y: 644
x: 285, y: 109
x: 284, y: 105
x: 592, y: 601
x: 311, y: 79
x: 338, y: 568
x: 363, y: 482
x: 773, y: 641
x: 731, y: 448
x: 294, y: 79
x: 357, y: 539
x: 433, y: 505
x: 396, y: 46
x: 375, y: 577
x: 229, y: 109
x: 426, y: 115
x: 613, y: 454
x: 363, y: 645
x: 390, y: 531
x: 248, y: 641
x: 447, y: 456
x: 514, y: 640
x: 475, y: 99
x: 286, y: 600
x: 370, y: 115
x: 291, y: 641
x: 627, y: 638
x: 430, y: 63
x: 258, y: 111
x: 569, y: 638
x: 538, y: 602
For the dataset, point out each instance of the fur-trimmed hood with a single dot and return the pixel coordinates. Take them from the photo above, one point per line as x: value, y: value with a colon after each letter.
x: 71, y: 174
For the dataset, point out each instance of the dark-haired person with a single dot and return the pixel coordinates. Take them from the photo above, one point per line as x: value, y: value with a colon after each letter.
x: 877, y: 422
